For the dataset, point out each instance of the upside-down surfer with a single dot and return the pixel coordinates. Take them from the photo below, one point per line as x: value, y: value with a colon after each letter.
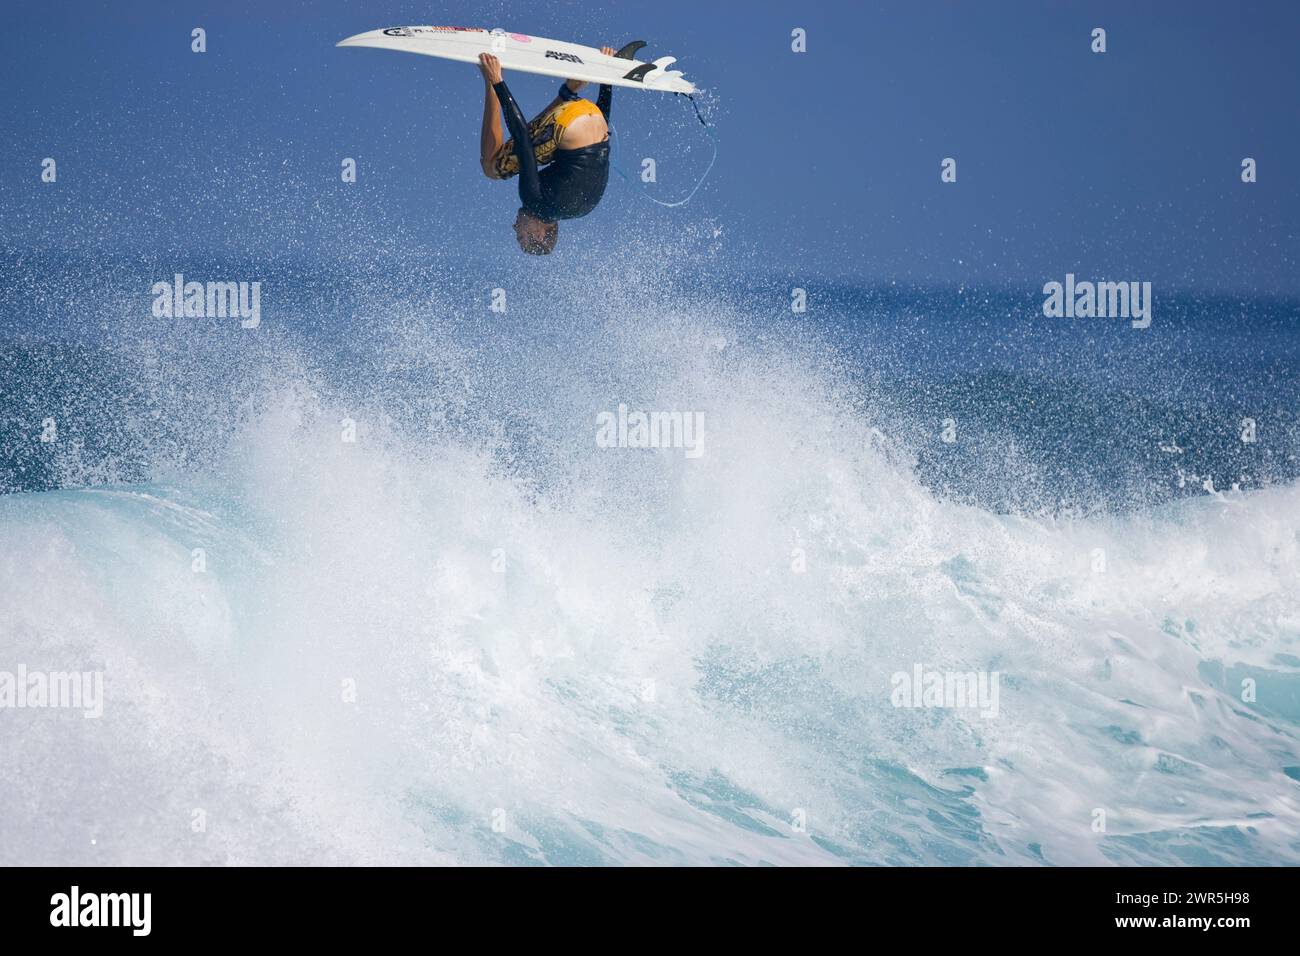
x: 570, y: 138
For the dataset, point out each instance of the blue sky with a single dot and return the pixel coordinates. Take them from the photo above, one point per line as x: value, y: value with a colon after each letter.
x: 1120, y: 165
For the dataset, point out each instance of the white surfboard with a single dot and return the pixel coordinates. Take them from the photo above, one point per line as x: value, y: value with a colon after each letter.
x: 519, y: 51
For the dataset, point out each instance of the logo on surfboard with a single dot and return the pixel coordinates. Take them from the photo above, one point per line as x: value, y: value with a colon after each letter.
x: 412, y: 31
x: 638, y: 73
x: 566, y: 57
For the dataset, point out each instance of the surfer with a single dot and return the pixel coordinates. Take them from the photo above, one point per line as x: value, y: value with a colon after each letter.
x: 570, y: 137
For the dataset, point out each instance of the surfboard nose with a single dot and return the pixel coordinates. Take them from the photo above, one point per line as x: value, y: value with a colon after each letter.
x: 362, y: 39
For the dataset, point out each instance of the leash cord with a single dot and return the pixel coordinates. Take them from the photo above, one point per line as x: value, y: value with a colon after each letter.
x: 708, y: 131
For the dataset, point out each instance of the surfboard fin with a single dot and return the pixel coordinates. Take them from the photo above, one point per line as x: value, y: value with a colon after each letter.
x: 629, y: 52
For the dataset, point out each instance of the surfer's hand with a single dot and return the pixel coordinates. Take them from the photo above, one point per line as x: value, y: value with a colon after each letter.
x: 575, y: 85
x: 490, y: 66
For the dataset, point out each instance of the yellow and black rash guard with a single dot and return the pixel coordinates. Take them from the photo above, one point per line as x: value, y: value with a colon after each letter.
x: 573, y: 183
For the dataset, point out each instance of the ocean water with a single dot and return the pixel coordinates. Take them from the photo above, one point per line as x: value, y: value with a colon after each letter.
x: 473, y: 635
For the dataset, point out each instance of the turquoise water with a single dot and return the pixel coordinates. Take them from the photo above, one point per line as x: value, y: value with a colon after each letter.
x: 473, y: 635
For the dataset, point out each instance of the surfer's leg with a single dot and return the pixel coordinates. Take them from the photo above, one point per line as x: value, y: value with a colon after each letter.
x: 490, y: 144
x: 542, y: 133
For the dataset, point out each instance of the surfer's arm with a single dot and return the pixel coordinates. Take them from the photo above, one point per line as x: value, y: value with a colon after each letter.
x: 530, y: 185
x: 490, y: 136
x: 606, y: 91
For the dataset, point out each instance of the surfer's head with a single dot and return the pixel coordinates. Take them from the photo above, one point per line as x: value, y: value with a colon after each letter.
x: 536, y: 236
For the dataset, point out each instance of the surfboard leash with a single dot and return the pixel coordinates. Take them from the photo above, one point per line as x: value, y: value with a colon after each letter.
x: 708, y: 131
